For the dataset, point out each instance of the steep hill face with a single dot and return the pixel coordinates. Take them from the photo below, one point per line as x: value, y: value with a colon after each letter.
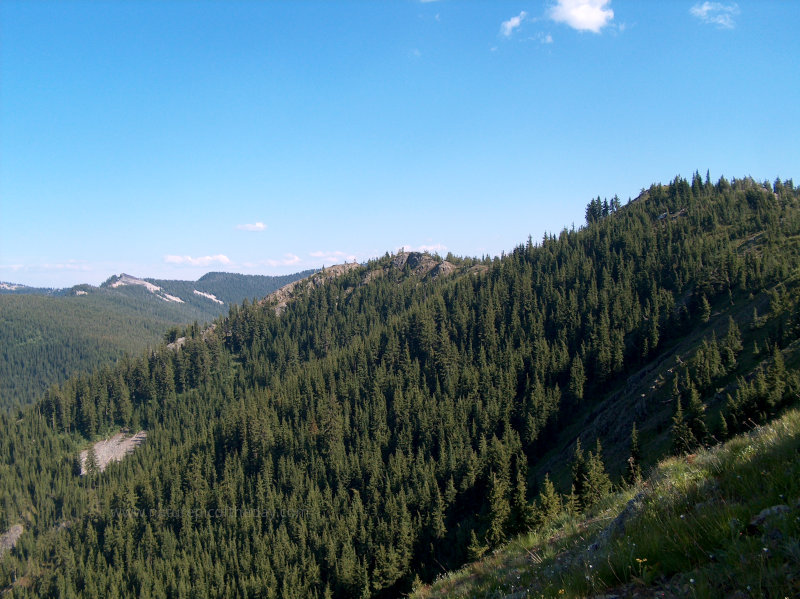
x: 721, y: 522
x: 388, y: 423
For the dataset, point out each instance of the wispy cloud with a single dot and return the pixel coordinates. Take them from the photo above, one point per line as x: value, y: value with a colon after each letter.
x: 198, y: 261
x: 716, y: 13
x: 433, y: 248
x: 287, y: 260
x: 508, y: 27
x: 252, y: 227
x: 78, y: 265
x: 321, y: 254
x: 583, y: 15
x: 332, y: 256
x: 12, y: 267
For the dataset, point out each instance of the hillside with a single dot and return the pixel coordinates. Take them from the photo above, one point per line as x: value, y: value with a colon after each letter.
x: 720, y: 523
x: 50, y: 334
x: 380, y: 424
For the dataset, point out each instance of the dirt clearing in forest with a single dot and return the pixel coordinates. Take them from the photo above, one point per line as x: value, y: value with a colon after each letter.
x: 114, y: 448
x: 10, y: 538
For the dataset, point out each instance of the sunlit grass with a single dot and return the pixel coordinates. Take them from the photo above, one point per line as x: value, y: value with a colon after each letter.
x: 689, y: 533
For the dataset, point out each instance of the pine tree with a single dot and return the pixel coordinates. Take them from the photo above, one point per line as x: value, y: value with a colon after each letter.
x: 92, y: 467
x: 776, y: 379
x: 598, y: 484
x: 577, y: 379
x: 723, y: 427
x: 571, y: 503
x: 438, y: 528
x: 705, y: 309
x: 634, y: 470
x: 731, y: 345
x: 522, y: 512
x: 695, y: 417
x: 683, y: 440
x: 499, y: 511
x: 475, y: 549
x: 548, y: 503
x: 579, y: 472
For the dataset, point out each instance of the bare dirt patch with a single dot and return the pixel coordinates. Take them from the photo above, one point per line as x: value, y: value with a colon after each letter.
x: 112, y: 449
x: 9, y: 539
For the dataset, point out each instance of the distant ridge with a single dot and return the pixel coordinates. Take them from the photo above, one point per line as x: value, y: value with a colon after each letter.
x: 124, y: 314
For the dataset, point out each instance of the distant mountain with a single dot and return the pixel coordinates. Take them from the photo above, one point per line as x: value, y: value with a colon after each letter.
x: 9, y: 288
x: 49, y: 334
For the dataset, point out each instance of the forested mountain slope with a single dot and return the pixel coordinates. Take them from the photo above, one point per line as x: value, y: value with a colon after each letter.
x: 49, y: 334
x: 721, y: 522
x: 390, y: 422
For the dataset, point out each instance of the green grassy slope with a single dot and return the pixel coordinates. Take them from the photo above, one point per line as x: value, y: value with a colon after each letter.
x: 724, y: 522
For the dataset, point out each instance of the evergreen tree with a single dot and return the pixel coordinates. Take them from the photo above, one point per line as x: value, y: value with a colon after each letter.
x: 549, y: 502
x: 91, y: 467
x: 732, y: 345
x: 579, y: 472
x: 572, y: 503
x: 634, y: 470
x: 695, y: 417
x: 776, y: 379
x: 705, y: 309
x: 475, y: 549
x: 577, y: 379
x: 723, y: 427
x: 683, y: 440
x: 499, y: 511
x: 522, y: 512
x: 597, y: 483
x: 438, y: 528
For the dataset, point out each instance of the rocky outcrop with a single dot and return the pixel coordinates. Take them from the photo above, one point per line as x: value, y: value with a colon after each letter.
x: 422, y: 264
x: 281, y: 298
x: 418, y: 264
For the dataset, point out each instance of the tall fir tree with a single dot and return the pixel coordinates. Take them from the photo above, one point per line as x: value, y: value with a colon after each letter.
x: 634, y: 469
x: 683, y: 440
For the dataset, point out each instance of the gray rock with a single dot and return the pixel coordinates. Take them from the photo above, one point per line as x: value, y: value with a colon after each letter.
x: 758, y: 521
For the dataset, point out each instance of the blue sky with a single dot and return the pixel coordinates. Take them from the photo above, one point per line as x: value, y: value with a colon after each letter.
x: 168, y: 139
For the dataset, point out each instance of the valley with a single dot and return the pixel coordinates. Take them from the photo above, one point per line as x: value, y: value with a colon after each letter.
x: 49, y: 334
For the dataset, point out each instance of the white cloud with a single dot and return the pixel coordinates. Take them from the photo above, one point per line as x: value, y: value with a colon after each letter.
x: 508, y: 27
x: 583, y: 15
x: 332, y: 256
x: 321, y: 254
x: 199, y: 261
x: 252, y: 227
x: 546, y: 39
x: 69, y: 265
x: 434, y: 248
x: 716, y: 13
x: 287, y: 260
